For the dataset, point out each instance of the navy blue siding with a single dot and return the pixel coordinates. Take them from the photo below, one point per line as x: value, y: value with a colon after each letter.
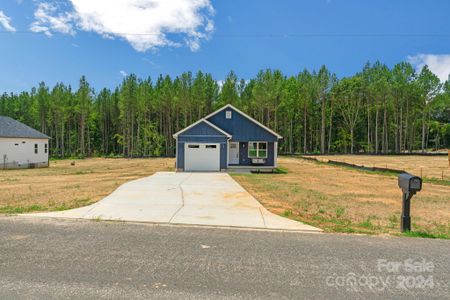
x: 245, y: 161
x: 202, y: 128
x: 202, y: 139
x: 241, y: 128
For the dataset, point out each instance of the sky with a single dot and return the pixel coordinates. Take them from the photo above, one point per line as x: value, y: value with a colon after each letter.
x: 105, y: 40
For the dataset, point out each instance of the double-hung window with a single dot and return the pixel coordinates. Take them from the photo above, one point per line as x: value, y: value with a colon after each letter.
x: 257, y: 149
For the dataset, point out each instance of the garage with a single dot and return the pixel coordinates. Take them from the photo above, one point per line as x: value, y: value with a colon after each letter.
x: 202, y: 157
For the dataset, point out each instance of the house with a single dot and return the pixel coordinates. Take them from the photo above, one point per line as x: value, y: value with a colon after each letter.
x: 226, y: 139
x: 21, y: 146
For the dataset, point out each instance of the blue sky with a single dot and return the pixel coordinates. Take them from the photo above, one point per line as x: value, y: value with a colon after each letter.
x: 61, y: 40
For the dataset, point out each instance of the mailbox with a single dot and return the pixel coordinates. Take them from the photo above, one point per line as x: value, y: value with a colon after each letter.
x: 409, y: 183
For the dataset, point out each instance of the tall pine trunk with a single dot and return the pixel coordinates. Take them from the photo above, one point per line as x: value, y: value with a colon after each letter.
x: 322, y: 127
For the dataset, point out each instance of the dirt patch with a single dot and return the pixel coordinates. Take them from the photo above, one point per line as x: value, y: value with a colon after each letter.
x: 63, y: 185
x: 343, y: 200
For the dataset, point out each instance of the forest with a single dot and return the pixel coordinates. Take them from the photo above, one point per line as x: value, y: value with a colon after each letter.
x: 377, y: 110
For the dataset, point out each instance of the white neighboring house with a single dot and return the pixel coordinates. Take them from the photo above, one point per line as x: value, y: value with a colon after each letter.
x: 21, y: 146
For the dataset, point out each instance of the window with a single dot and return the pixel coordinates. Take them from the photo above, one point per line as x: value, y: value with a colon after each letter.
x: 257, y: 149
x: 35, y: 148
x: 211, y: 146
x: 193, y: 146
x: 45, y: 148
x: 228, y: 114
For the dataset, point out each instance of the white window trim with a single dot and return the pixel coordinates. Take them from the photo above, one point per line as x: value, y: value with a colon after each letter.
x: 257, y: 149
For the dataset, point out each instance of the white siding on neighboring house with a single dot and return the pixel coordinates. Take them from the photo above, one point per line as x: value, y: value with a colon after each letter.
x: 20, y: 152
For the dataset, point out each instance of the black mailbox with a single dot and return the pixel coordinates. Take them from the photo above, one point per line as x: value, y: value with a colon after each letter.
x: 409, y: 184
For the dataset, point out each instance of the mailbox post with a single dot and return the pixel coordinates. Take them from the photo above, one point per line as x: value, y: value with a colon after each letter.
x: 409, y: 184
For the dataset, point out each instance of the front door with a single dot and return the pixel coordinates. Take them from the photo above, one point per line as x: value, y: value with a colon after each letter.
x: 233, y: 153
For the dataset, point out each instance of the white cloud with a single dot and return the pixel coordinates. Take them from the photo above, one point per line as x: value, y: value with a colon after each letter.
x: 439, y: 64
x: 145, y: 24
x: 5, y: 21
x: 123, y: 73
x: 49, y: 19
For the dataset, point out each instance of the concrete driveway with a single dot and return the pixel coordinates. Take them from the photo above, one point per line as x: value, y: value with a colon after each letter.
x: 213, y: 199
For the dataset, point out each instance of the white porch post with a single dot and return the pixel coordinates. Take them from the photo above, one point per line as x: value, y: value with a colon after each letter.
x: 227, y: 150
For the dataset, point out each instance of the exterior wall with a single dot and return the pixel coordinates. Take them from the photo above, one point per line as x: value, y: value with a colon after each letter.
x: 240, y: 127
x: 19, y: 153
x: 245, y: 161
x: 202, y: 129
x: 202, y: 133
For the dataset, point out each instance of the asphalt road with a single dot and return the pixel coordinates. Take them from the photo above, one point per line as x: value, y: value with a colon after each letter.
x: 55, y: 259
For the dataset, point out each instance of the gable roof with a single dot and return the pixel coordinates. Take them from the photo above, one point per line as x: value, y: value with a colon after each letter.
x: 206, y: 122
x: 245, y: 115
x: 12, y: 128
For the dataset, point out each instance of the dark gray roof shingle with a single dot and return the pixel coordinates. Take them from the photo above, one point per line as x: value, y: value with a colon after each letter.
x: 12, y: 128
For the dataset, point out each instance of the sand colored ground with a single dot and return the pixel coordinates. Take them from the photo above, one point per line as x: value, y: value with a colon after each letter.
x: 339, y: 199
x: 63, y: 186
x: 425, y: 166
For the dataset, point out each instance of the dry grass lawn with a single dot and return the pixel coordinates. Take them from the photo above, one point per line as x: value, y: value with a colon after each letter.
x: 344, y: 200
x: 334, y: 198
x: 63, y: 186
x: 424, y: 166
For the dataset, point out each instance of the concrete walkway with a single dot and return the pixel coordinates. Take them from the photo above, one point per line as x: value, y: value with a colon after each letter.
x: 212, y: 199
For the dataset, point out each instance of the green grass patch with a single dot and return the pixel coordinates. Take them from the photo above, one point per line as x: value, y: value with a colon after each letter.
x: 421, y: 234
x: 280, y: 170
x: 51, y: 206
x: 20, y: 209
x: 436, y: 181
x: 367, y: 223
x: 394, y: 221
x: 287, y: 213
x: 339, y: 212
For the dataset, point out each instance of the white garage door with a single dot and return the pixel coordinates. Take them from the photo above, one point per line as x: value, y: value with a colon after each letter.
x: 201, y: 157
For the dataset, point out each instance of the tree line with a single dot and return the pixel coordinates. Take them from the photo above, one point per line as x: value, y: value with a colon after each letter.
x: 377, y: 110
